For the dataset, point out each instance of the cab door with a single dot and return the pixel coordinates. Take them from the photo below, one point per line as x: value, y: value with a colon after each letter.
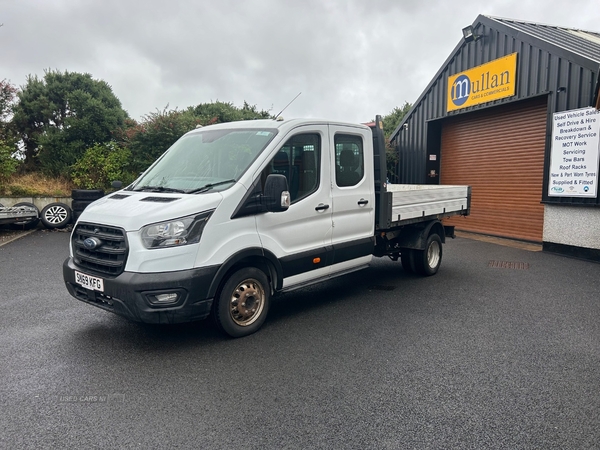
x: 300, y: 237
x: 353, y: 194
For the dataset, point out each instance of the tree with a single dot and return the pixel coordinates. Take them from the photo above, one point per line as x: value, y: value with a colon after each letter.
x: 390, y: 122
x: 8, y: 140
x: 8, y: 95
x: 8, y: 92
x: 219, y: 112
x: 60, y: 116
x: 8, y: 164
x: 159, y: 130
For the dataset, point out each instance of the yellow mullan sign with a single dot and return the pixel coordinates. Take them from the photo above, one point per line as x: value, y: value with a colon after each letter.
x: 481, y: 84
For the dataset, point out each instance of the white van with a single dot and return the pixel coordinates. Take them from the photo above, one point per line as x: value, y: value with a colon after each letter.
x: 236, y: 212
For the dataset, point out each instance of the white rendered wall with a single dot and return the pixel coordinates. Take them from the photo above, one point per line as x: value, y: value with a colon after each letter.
x: 572, y: 225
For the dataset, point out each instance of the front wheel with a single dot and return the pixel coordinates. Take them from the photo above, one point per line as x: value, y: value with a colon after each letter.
x: 428, y: 261
x: 243, y: 303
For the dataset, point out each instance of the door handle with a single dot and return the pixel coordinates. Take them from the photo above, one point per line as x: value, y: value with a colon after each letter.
x: 321, y: 207
x: 362, y: 202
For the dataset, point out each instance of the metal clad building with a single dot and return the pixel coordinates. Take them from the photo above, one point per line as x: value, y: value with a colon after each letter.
x: 498, y: 138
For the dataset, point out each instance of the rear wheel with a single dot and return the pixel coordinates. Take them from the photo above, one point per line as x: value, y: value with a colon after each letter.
x: 428, y: 261
x: 243, y: 303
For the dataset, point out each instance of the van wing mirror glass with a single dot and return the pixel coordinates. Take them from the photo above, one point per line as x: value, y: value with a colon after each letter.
x: 276, y: 197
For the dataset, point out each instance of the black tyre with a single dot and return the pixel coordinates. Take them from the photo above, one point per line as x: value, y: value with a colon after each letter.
x: 87, y: 194
x: 76, y: 215
x: 80, y: 205
x: 428, y: 261
x: 56, y: 215
x: 243, y: 303
x: 29, y: 223
x: 408, y: 260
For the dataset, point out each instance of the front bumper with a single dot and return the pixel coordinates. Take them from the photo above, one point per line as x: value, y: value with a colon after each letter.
x: 129, y: 294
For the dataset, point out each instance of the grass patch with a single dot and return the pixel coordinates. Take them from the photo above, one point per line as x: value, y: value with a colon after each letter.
x: 36, y: 185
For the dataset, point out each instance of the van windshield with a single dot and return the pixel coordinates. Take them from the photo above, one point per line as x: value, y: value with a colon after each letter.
x: 205, y: 160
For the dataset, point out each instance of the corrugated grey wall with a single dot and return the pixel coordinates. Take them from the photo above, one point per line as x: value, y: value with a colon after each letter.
x: 542, y: 68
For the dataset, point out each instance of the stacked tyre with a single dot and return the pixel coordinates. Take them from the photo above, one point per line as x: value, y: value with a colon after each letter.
x: 82, y: 198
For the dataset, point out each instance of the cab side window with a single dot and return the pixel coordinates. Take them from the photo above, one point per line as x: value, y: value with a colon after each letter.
x: 299, y: 160
x: 349, y: 160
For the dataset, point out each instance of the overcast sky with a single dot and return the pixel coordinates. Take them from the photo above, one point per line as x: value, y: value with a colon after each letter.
x: 350, y: 59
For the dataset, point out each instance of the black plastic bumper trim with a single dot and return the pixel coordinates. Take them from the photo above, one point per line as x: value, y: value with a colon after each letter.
x: 126, y: 294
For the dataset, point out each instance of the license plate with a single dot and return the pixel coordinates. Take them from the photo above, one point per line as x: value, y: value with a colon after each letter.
x: 89, y: 282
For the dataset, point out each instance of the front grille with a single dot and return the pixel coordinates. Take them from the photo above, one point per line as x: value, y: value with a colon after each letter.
x: 109, y: 257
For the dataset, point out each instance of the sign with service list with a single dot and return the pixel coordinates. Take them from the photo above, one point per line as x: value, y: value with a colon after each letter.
x: 574, y: 153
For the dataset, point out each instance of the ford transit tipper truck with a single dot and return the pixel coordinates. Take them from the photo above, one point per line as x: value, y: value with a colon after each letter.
x: 234, y: 213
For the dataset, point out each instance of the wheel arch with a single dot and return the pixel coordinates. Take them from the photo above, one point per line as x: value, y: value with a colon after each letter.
x: 251, y: 257
x: 415, y: 237
x: 437, y: 227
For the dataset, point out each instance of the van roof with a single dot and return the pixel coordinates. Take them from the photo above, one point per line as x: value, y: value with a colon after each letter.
x: 277, y: 124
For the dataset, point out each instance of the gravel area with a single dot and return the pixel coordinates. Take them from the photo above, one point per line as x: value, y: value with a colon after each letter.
x: 7, y: 235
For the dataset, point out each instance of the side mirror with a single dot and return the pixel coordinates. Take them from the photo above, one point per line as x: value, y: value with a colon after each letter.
x: 117, y: 184
x: 276, y: 197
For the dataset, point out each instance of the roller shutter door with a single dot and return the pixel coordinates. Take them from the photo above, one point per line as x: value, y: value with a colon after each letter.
x: 500, y: 153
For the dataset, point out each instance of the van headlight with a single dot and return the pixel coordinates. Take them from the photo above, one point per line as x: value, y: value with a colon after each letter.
x: 183, y: 231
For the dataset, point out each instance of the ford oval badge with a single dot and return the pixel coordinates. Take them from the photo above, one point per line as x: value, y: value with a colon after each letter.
x: 91, y: 243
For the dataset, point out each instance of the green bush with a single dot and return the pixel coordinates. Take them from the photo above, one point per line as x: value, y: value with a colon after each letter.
x: 8, y: 164
x: 101, y: 165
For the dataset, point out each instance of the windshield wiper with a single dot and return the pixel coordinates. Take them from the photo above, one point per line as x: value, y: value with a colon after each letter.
x: 209, y: 186
x: 158, y: 189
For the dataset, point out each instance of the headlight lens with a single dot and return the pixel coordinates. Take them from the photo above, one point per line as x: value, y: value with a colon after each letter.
x: 183, y: 231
